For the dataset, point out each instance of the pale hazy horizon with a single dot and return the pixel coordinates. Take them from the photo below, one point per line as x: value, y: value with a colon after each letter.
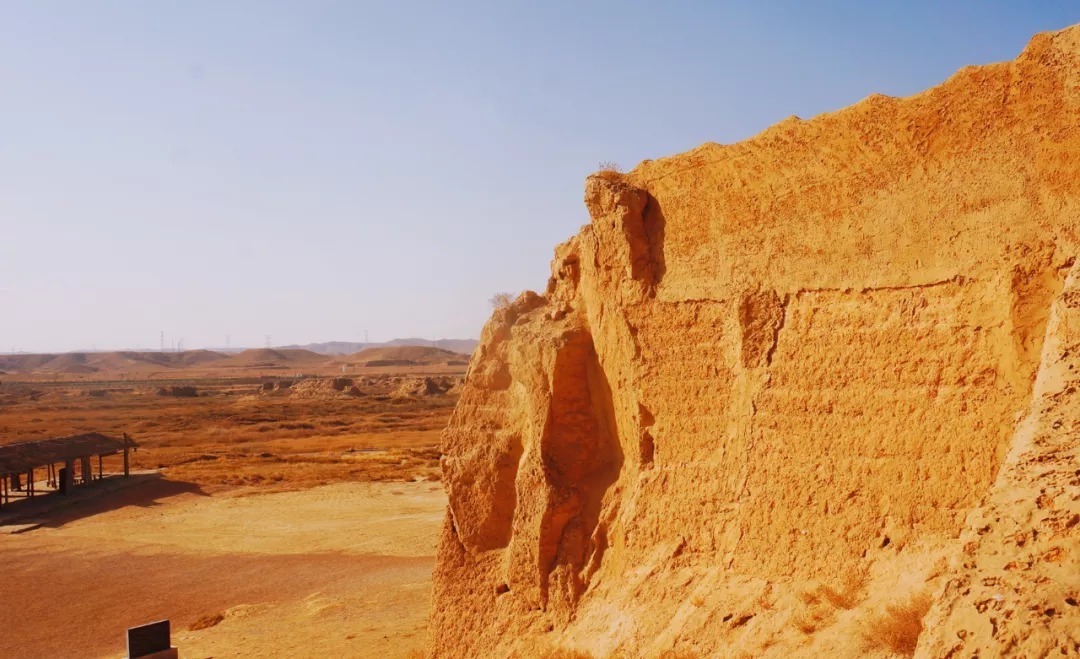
x: 311, y: 171
x: 178, y: 345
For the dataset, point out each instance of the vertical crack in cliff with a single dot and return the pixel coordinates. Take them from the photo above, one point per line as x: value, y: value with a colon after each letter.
x: 581, y: 458
x: 646, y: 443
x: 776, y: 330
x: 1032, y: 290
x: 653, y: 223
x: 761, y: 314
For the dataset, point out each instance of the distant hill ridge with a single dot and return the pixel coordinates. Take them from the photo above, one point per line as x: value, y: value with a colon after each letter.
x: 462, y: 346
x: 96, y: 362
x: 405, y: 356
x: 131, y: 362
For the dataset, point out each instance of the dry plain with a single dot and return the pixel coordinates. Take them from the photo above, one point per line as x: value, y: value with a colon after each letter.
x: 263, y: 519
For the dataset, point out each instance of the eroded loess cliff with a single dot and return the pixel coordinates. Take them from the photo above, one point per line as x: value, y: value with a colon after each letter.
x: 785, y: 397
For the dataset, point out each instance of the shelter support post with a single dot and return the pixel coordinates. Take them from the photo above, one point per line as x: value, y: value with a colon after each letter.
x: 69, y: 476
x: 86, y: 470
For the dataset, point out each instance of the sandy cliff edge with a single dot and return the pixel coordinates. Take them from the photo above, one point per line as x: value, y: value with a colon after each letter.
x: 786, y: 397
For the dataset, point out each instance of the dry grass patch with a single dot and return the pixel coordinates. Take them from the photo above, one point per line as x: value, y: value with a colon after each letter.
x: 501, y: 300
x: 898, y: 629
x: 844, y: 600
x: 849, y: 596
x: 608, y: 171
x: 840, y: 599
x: 232, y: 438
x: 813, y: 615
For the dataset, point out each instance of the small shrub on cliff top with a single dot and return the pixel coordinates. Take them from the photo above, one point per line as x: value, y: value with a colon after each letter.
x: 501, y: 300
x: 898, y: 629
x: 608, y: 170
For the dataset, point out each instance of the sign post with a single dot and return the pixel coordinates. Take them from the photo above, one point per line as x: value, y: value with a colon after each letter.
x: 152, y: 640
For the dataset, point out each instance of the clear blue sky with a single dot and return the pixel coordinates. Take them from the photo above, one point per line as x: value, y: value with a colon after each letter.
x: 309, y: 170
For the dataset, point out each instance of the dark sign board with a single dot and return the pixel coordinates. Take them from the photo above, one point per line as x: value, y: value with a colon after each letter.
x: 148, y: 639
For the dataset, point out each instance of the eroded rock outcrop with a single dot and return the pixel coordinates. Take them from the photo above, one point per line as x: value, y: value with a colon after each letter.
x: 779, y: 397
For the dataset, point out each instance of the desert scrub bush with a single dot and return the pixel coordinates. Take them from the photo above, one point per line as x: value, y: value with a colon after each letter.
x: 899, y: 627
x: 809, y: 622
x: 849, y: 596
x: 608, y: 170
x: 501, y: 300
x: 840, y: 599
x: 844, y: 600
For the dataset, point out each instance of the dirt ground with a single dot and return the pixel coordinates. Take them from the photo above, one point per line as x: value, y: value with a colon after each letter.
x: 261, y: 523
x: 336, y: 570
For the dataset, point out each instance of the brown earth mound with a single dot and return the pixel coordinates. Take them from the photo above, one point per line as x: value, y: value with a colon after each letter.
x: 324, y: 388
x: 405, y: 356
x: 24, y: 363
x: 783, y: 397
x: 272, y: 358
x: 199, y: 357
x: 71, y: 363
x: 413, y: 387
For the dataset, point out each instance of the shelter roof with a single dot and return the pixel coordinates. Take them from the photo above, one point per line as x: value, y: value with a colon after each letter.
x: 22, y: 456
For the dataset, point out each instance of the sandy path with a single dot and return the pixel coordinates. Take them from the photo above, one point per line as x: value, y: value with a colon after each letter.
x: 339, y: 570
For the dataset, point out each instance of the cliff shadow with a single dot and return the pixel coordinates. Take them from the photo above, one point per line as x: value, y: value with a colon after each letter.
x: 582, y: 459
x: 655, y: 224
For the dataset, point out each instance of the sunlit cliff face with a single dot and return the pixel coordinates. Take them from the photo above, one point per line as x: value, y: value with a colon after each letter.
x: 770, y: 386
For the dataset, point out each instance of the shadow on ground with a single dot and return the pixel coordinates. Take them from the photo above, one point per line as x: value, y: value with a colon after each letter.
x: 54, y: 510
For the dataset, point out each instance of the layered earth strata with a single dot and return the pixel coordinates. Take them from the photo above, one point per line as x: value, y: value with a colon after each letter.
x: 787, y: 396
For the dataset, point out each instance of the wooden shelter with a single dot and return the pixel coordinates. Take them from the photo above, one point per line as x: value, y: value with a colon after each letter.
x: 22, y: 458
